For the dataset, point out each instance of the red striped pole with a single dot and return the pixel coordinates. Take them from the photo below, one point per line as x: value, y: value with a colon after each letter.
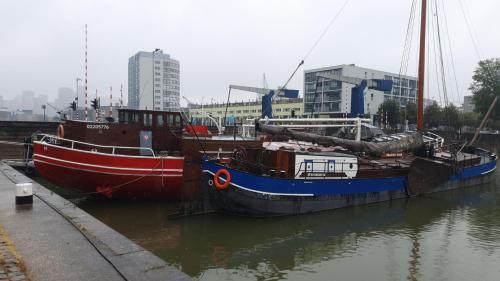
x: 86, y: 85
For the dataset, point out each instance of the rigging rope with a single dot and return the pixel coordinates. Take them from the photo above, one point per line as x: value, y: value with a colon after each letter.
x: 332, y: 21
x: 471, y: 31
x: 408, y: 40
x: 441, y: 61
x: 435, y: 57
x: 452, y: 60
x: 405, y: 58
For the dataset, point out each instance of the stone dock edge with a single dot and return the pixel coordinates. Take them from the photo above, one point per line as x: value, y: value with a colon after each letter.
x: 131, y: 260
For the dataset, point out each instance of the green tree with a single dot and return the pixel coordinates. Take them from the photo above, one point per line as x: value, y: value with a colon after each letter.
x: 486, y: 85
x: 470, y: 119
x: 409, y: 113
x: 451, y: 117
x: 433, y: 116
x: 390, y: 109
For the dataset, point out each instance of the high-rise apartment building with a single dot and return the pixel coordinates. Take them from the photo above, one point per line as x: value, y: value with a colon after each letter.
x: 335, y: 97
x: 153, y: 85
x: 468, y: 105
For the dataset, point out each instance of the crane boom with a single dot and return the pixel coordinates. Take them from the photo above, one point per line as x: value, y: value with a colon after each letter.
x: 257, y: 90
x: 53, y: 107
x: 267, y: 96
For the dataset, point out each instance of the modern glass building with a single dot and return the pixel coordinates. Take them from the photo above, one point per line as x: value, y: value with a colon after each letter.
x: 333, y: 98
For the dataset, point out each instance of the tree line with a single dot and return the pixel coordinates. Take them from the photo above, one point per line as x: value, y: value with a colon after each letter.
x: 485, y: 86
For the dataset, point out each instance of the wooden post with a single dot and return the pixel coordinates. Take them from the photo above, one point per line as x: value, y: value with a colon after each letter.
x: 483, y: 122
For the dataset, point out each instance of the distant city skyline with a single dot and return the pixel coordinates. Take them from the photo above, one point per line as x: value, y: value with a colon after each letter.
x: 32, y: 101
x: 225, y: 42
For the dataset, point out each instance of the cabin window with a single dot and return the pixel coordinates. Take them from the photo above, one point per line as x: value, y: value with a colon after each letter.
x: 309, y: 165
x: 170, y: 120
x: 159, y: 120
x: 331, y: 165
x: 123, y: 117
x: 147, y: 119
x: 132, y: 118
x: 177, y: 120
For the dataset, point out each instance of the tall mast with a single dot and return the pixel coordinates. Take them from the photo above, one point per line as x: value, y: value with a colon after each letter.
x: 421, y: 68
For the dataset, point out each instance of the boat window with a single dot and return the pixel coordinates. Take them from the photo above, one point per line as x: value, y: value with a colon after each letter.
x: 177, y: 120
x: 331, y: 165
x: 308, y: 165
x: 147, y: 118
x: 159, y: 120
x: 124, y: 117
x: 170, y: 120
x: 132, y: 118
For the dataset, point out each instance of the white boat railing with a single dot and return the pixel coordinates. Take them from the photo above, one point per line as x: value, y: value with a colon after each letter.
x: 309, y: 123
x: 51, y: 139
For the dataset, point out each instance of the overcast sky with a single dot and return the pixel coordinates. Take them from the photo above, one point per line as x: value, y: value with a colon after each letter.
x: 220, y: 42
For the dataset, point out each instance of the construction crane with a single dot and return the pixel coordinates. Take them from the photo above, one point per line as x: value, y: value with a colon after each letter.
x: 58, y: 111
x: 267, y: 97
x: 357, y: 92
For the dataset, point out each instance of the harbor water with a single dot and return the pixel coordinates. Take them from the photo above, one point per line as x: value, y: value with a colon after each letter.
x: 451, y: 235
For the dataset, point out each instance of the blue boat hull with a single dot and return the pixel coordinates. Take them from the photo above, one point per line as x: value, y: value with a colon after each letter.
x: 255, y: 195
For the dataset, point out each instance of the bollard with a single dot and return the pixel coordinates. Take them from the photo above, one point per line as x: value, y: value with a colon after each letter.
x: 24, y: 193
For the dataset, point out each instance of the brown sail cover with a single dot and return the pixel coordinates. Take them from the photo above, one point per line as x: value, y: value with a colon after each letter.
x: 406, y: 143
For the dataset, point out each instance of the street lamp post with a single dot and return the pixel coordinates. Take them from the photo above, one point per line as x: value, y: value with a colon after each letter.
x: 153, y: 79
x: 44, y: 107
x: 76, y: 99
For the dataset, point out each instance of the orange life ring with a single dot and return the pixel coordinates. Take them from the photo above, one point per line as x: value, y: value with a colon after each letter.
x: 225, y: 185
x: 60, y: 131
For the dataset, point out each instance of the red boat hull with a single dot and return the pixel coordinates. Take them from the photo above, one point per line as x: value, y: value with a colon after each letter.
x: 111, y: 175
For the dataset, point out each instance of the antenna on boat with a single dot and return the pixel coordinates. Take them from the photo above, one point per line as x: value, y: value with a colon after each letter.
x: 121, y: 95
x: 97, y: 107
x: 110, y: 101
x: 86, y: 85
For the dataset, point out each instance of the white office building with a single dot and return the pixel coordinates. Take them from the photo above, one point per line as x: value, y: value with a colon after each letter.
x: 468, y: 105
x: 334, y: 97
x: 163, y: 92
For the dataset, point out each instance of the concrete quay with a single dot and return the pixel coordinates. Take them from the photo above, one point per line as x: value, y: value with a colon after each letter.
x: 12, y: 268
x: 55, y: 240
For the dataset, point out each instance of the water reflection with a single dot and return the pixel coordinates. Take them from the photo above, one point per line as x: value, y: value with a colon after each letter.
x: 448, y: 236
